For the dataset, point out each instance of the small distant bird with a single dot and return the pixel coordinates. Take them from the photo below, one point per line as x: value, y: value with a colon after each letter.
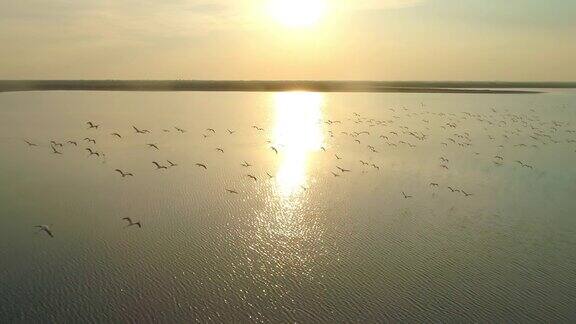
x: 364, y: 163
x: 73, y: 143
x: 131, y: 223
x: 337, y: 157
x: 153, y: 145
x: 452, y: 189
x: 116, y: 134
x: 172, y: 164
x: 219, y: 150
x: 202, y: 166
x: 232, y: 191
x: 56, y: 144
x: 443, y: 159
x: 246, y: 164
x: 30, y: 143
x: 357, y: 141
x: 335, y: 174
x: 92, y: 152
x: 405, y: 196
x: 433, y: 184
x: 269, y: 175
x: 258, y: 128
x: 230, y: 131
x: 124, y: 174
x: 55, y: 151
x: 159, y: 166
x: 323, y: 148
x: 444, y: 166
x: 274, y: 149
x: 466, y: 194
x: 252, y: 177
x: 342, y: 170
x: 180, y: 130
x: 375, y: 166
x: 143, y: 131
x: 499, y: 157
x: 45, y: 228
x: 90, y: 140
x: 92, y: 125
x: 211, y: 130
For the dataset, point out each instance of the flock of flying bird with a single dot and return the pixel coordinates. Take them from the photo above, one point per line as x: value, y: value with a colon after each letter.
x: 503, y: 130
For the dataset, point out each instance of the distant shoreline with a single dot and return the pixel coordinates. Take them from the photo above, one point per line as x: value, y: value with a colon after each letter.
x: 277, y: 86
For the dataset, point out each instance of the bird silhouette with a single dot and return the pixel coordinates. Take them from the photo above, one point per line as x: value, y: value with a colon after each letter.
x: 92, y: 125
x: 124, y: 174
x: 252, y: 177
x: 230, y: 131
x: 55, y: 151
x: 202, y: 166
x: 405, y: 195
x: 154, y: 146
x: 246, y: 164
x: 132, y: 223
x: 46, y: 229
x: 172, y: 164
x: 90, y: 140
x: 342, y: 169
x: 138, y: 131
x: 116, y: 134
x: 211, y: 130
x: 180, y: 130
x: 73, y: 143
x: 92, y: 152
x: 159, y: 166
x: 232, y: 191
x: 219, y: 150
x: 30, y: 143
x: 274, y: 149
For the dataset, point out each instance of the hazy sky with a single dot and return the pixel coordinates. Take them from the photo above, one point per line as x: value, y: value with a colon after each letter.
x: 240, y: 39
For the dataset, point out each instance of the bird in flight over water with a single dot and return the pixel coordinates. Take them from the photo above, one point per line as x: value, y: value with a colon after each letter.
x: 45, y: 228
x: 131, y: 223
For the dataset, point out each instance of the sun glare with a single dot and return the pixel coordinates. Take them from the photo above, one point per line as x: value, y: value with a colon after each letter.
x: 297, y: 13
x: 297, y: 133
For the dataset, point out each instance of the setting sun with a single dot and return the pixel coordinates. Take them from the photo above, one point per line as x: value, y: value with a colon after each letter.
x: 297, y: 13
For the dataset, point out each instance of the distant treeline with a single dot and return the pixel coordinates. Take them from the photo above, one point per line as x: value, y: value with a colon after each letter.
x: 319, y: 86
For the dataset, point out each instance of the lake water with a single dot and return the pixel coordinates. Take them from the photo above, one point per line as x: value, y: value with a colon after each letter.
x: 309, y: 244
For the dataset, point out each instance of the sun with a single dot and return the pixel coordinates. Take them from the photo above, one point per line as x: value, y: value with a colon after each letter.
x: 297, y: 13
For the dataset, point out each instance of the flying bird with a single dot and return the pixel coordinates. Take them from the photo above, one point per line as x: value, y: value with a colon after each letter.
x: 405, y: 196
x: 342, y: 170
x: 159, y: 166
x: 153, y: 145
x: 92, y: 125
x: 124, y: 174
x: 55, y: 151
x: 180, y: 130
x: 92, y: 152
x: 202, y: 166
x: 132, y: 223
x: 30, y: 143
x: 211, y: 130
x: 45, y: 228
x: 138, y: 131
x: 172, y: 164
x: 252, y: 177
x: 73, y: 143
x: 274, y: 149
x: 116, y: 134
x: 219, y: 150
x: 90, y: 140
x: 232, y: 191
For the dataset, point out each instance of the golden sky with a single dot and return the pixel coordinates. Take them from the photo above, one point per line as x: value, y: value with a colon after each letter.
x: 288, y: 39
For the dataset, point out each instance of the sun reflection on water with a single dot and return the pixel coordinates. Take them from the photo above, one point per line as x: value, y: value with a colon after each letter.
x: 297, y: 133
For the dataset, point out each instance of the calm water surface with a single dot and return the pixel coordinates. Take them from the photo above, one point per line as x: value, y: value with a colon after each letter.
x: 310, y: 243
